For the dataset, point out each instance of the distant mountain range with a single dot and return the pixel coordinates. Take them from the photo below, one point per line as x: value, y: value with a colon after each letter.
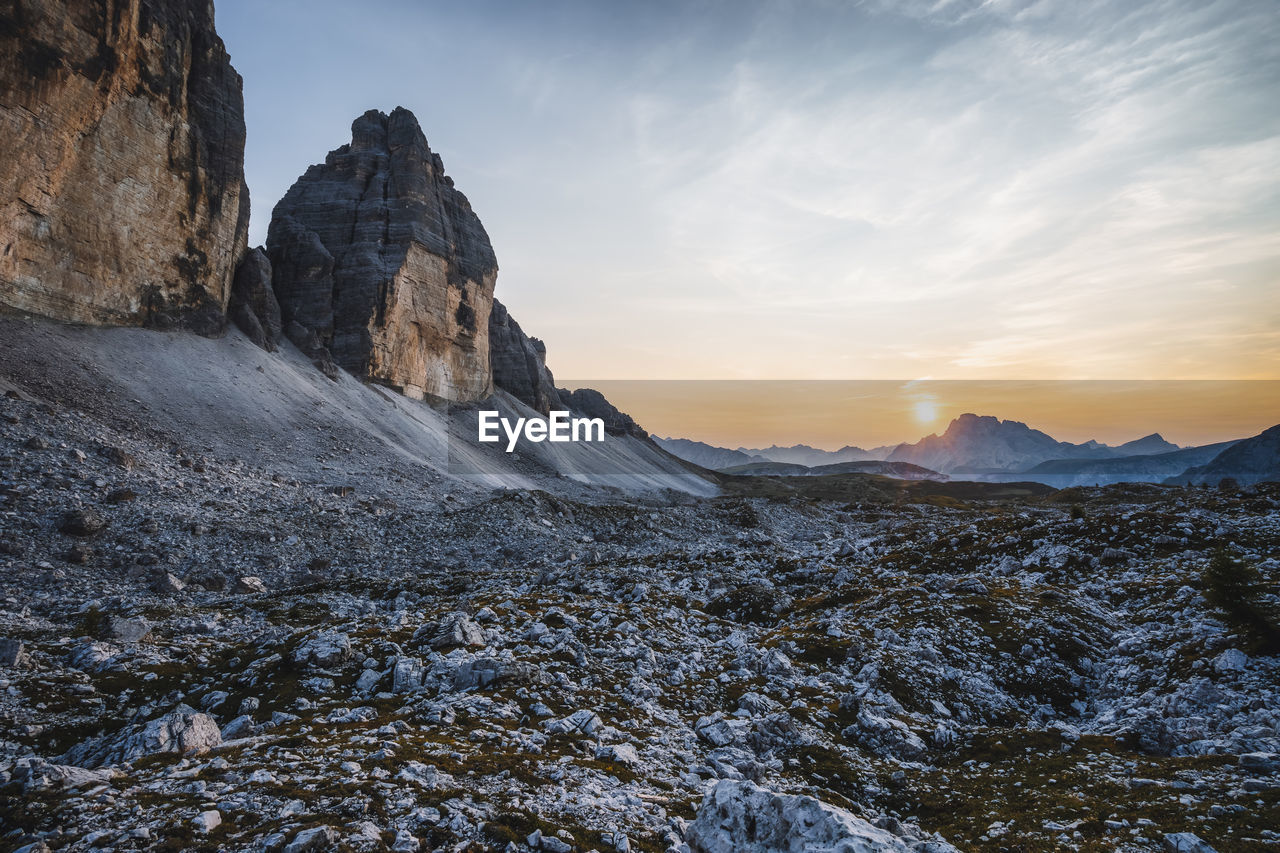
x: 803, y: 454
x: 987, y: 445
x: 897, y: 470
x: 986, y: 448
x: 706, y: 455
x: 1253, y: 460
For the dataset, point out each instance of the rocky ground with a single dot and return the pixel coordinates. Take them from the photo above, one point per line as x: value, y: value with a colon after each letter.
x: 203, y: 654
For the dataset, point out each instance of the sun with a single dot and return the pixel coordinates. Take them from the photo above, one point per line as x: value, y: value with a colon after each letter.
x: 926, y: 411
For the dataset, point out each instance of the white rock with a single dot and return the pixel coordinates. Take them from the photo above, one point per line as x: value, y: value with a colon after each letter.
x: 718, y: 731
x: 94, y: 656
x: 425, y: 775
x: 740, y: 817
x: 1186, y: 842
x: 580, y: 722
x: 1232, y: 660
x: 327, y: 648
x: 36, y: 774
x: 127, y: 630
x: 293, y: 807
x: 1260, y: 762
x: 184, y: 731
x: 885, y: 736
x: 405, y: 842
x: 316, y: 838
x: 368, y: 680
x: 407, y: 675
x: 454, y: 630
x: 623, y: 753
x: 207, y: 821
x: 250, y: 585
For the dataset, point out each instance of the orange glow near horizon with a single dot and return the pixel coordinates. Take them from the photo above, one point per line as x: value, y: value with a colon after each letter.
x: 832, y: 414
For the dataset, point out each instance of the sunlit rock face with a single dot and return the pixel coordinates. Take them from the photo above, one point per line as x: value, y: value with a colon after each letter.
x: 122, y: 127
x: 378, y: 256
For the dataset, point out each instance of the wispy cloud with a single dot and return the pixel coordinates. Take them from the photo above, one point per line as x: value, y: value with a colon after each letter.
x: 917, y: 187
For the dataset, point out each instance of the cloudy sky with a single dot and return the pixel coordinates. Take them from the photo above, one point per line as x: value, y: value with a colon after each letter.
x: 826, y: 189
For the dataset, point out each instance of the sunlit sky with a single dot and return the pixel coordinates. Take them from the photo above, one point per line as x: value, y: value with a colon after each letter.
x: 824, y: 189
x: 832, y: 414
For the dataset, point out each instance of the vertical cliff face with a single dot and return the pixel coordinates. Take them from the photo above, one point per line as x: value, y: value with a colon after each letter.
x: 520, y: 362
x: 122, y: 127
x: 377, y: 256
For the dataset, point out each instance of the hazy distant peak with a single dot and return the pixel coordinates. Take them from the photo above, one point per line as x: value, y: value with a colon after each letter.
x: 1148, y: 444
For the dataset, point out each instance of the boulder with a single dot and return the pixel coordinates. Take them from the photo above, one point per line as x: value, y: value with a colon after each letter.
x: 167, y: 583
x: 453, y: 631
x: 184, y: 731
x: 425, y: 775
x: 741, y: 817
x: 482, y: 672
x: 241, y: 726
x: 622, y: 753
x: 312, y: 840
x: 584, y: 722
x: 1260, y: 762
x: 406, y: 676
x: 36, y: 775
x: 250, y: 585
x: 127, y: 630
x: 885, y: 736
x: 94, y: 656
x: 324, y: 649
x: 81, y: 522
x: 207, y: 821
x: 1185, y: 842
x: 1231, y: 660
x: 12, y: 652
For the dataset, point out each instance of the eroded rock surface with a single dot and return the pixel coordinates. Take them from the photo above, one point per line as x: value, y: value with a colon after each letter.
x: 253, y: 304
x: 123, y: 131
x: 520, y: 362
x: 378, y: 256
x: 590, y: 402
x: 741, y: 817
x: 184, y: 731
x: 604, y: 660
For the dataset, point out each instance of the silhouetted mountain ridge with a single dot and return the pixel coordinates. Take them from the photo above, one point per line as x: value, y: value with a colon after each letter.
x: 978, y: 447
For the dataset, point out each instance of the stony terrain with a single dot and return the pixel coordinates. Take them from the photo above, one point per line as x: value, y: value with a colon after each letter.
x: 203, y: 653
x: 249, y: 604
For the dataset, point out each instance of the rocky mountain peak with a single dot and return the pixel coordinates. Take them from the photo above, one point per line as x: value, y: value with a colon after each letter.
x: 1147, y: 445
x: 381, y: 264
x: 969, y: 424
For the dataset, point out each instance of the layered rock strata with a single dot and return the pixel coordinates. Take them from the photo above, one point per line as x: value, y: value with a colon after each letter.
x: 253, y: 305
x: 520, y: 362
x: 380, y: 261
x: 590, y: 402
x: 123, y: 130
